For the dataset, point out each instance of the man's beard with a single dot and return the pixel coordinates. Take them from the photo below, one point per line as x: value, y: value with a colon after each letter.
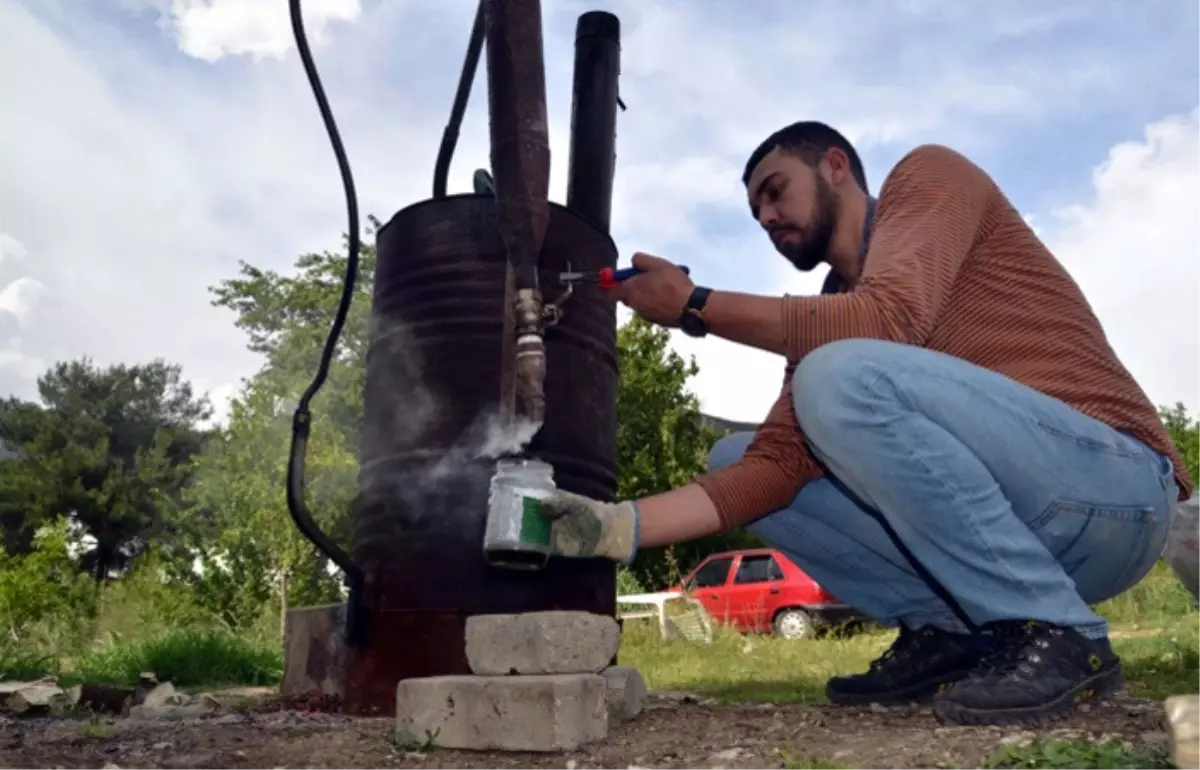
x: 814, y: 249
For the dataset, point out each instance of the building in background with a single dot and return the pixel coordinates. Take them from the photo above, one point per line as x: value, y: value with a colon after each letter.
x: 723, y: 426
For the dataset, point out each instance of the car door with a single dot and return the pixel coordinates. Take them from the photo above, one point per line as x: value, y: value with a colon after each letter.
x: 755, y: 592
x: 708, y: 585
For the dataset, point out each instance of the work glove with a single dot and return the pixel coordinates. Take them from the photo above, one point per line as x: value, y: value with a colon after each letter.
x: 583, y: 527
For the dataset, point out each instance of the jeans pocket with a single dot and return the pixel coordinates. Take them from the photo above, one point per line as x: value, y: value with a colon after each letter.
x: 1104, y: 549
x: 1104, y: 440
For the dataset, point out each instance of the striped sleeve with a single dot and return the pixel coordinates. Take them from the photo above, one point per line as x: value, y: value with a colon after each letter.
x: 932, y: 208
x: 776, y: 465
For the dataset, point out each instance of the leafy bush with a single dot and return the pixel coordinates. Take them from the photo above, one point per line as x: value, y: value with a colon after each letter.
x: 44, y: 588
x: 627, y: 583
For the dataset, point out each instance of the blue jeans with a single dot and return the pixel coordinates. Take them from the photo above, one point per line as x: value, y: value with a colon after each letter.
x: 1019, y: 505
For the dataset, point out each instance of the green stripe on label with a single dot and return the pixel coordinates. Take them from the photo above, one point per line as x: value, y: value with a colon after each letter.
x: 535, y: 528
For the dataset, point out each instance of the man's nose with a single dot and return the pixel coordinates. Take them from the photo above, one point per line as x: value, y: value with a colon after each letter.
x: 767, y: 218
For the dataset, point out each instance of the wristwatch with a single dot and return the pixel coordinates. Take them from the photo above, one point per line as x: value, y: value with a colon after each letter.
x: 691, y: 321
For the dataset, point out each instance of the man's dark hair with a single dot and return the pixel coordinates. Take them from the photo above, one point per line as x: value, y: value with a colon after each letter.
x: 809, y: 140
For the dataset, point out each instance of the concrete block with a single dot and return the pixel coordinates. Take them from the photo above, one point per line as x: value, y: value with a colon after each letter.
x: 314, y: 650
x: 1183, y: 727
x: 554, y: 712
x: 541, y: 643
x: 626, y: 693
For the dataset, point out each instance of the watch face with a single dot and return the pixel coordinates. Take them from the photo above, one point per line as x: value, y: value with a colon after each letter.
x: 693, y: 325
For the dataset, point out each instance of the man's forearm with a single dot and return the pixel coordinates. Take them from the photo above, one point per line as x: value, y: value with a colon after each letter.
x: 748, y: 319
x: 677, y: 516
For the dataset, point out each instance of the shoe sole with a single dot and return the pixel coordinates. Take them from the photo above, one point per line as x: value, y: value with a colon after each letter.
x: 1100, y: 685
x: 915, y: 693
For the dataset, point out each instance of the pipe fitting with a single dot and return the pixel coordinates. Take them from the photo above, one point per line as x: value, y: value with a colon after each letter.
x: 530, y: 355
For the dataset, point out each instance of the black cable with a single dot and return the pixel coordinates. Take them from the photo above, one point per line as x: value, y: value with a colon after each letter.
x: 302, y: 420
x: 441, y: 168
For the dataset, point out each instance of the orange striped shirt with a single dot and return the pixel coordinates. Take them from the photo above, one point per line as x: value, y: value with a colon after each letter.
x: 953, y: 267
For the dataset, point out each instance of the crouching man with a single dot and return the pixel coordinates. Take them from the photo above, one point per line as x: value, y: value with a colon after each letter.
x: 956, y: 450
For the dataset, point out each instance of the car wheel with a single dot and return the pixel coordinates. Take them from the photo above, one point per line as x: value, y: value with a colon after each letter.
x: 793, y: 624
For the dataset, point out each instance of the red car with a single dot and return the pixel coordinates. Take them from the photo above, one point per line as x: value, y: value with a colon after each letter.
x: 762, y: 591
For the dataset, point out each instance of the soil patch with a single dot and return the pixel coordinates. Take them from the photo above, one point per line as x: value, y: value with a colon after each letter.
x: 672, y: 732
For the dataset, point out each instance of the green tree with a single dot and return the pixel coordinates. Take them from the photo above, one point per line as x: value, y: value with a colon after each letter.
x: 287, y: 318
x: 249, y: 551
x: 661, y: 443
x: 109, y: 448
x: 1185, y: 433
x: 20, y: 512
x: 247, y: 547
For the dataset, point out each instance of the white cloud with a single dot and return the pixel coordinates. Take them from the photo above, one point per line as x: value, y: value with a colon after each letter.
x: 1135, y: 250
x: 10, y: 249
x: 136, y: 176
x: 221, y: 398
x: 212, y: 29
x: 19, y: 297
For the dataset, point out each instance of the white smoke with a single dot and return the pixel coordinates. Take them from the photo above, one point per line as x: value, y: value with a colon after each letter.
x: 411, y: 412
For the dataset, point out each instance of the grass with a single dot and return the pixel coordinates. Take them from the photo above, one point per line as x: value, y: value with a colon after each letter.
x: 1156, y: 632
x: 184, y: 657
x: 1157, y: 636
x: 735, y: 668
x: 813, y: 764
x: 1114, y: 753
x: 739, y: 669
x: 24, y: 665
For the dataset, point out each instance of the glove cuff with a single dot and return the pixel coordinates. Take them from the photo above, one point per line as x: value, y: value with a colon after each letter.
x: 622, y: 533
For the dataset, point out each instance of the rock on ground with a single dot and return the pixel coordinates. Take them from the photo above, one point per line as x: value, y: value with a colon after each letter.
x: 626, y: 693
x: 1183, y: 723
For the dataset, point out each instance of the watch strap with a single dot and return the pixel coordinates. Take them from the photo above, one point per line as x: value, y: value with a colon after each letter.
x: 691, y: 320
x: 697, y: 300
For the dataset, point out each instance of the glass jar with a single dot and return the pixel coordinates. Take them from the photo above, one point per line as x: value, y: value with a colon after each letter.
x: 517, y: 536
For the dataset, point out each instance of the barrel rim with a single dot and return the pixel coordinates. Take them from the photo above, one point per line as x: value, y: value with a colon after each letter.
x: 458, y: 197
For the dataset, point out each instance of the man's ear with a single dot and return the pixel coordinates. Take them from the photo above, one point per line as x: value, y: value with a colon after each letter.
x: 836, y: 165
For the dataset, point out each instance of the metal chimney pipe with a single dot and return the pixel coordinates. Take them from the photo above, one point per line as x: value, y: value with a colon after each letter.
x: 594, y: 117
x: 521, y: 167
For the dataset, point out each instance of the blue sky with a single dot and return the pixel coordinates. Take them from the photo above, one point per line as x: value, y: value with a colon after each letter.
x: 149, y: 144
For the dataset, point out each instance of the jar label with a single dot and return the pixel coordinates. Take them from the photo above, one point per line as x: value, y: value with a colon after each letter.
x: 535, y: 528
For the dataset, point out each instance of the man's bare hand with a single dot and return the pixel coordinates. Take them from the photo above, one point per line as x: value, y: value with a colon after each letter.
x: 659, y: 293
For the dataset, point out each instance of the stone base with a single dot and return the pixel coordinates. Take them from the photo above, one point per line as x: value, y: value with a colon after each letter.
x: 550, y: 712
x: 553, y: 642
x: 314, y: 651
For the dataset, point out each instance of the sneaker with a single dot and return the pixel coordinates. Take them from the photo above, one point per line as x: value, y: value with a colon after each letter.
x: 912, y: 669
x: 1038, y: 672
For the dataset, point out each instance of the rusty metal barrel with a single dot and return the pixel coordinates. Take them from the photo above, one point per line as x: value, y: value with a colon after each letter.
x: 433, y: 392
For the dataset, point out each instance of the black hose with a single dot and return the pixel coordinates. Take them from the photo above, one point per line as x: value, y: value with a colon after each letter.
x: 441, y: 168
x: 302, y: 420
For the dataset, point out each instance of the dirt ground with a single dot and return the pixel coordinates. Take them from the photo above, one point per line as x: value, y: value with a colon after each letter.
x: 675, y: 730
